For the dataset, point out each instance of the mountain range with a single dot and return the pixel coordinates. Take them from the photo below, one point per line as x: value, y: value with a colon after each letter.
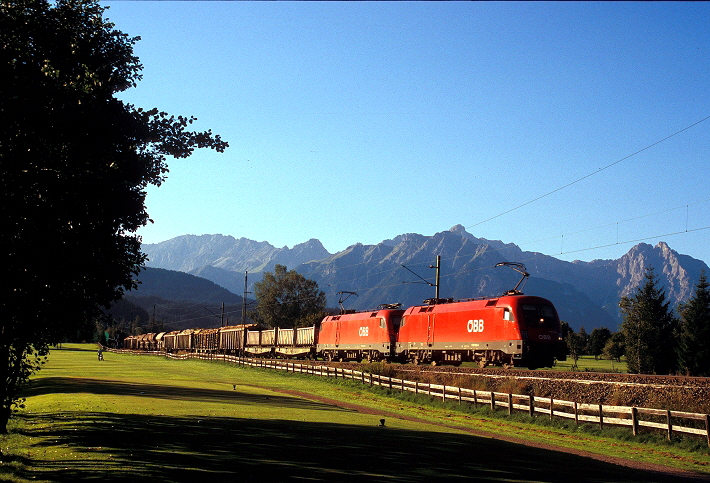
x: 400, y: 270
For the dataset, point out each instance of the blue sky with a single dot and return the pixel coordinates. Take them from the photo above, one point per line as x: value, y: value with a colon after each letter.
x: 358, y: 121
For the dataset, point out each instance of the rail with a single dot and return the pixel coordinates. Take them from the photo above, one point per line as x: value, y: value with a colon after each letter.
x: 598, y: 414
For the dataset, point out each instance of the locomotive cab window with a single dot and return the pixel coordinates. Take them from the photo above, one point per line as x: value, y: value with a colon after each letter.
x: 539, y: 315
x: 383, y: 324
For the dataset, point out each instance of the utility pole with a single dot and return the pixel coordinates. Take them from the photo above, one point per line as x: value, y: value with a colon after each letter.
x: 438, y: 275
x: 435, y: 300
x: 221, y: 317
x: 244, y: 299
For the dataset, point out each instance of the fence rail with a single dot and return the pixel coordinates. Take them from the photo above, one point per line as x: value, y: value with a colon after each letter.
x: 602, y: 415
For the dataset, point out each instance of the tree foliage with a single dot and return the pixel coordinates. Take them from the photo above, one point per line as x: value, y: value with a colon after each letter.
x: 597, y: 340
x: 694, y: 332
x: 287, y: 299
x: 576, y: 342
x: 74, y: 165
x: 614, y: 347
x: 648, y: 328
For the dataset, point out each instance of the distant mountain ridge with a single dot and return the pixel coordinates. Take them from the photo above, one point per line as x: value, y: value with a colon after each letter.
x: 585, y: 293
x: 190, y: 253
x: 179, y: 300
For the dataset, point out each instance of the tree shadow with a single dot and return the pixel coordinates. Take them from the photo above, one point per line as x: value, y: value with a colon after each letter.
x: 69, y: 385
x: 188, y: 449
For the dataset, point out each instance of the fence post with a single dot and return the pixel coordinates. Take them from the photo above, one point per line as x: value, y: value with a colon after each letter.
x: 576, y: 414
x: 532, y: 405
x: 390, y: 383
x: 416, y: 387
x: 443, y: 394
x: 475, y: 398
x: 493, y: 400
x: 634, y: 421
x: 459, y: 395
x: 601, y: 417
x: 670, y: 427
x: 552, y: 407
x: 707, y: 428
x: 510, y: 404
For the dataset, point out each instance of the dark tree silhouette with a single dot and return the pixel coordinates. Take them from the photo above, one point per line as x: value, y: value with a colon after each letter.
x: 287, y: 299
x: 694, y: 332
x: 648, y: 328
x: 74, y: 165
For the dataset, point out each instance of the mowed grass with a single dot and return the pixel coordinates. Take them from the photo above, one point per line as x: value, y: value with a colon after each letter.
x: 589, y: 363
x: 141, y: 418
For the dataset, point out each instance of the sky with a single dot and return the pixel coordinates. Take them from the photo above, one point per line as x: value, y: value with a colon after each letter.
x: 574, y: 129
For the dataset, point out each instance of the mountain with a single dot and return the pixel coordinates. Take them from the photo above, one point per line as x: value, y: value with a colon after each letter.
x: 585, y: 293
x: 224, y: 259
x: 179, y: 300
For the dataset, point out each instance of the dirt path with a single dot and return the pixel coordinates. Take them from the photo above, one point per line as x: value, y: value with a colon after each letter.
x: 673, y: 474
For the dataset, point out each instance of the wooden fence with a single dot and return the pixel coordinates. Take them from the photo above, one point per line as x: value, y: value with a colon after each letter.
x: 598, y: 414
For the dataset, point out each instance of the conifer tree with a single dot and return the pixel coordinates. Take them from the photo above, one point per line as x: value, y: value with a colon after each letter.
x: 648, y: 328
x: 694, y: 332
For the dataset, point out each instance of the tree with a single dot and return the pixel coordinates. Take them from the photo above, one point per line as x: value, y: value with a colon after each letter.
x: 74, y: 165
x: 287, y: 299
x: 596, y: 341
x: 614, y: 347
x: 694, y: 332
x: 648, y: 327
x: 576, y: 343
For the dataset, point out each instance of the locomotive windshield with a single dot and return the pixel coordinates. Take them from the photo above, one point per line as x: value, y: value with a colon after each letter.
x: 538, y: 315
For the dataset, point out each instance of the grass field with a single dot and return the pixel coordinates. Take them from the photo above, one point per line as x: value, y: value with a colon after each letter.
x: 588, y: 363
x: 140, y: 418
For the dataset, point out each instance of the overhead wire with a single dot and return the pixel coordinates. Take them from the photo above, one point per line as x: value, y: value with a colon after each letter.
x: 590, y: 174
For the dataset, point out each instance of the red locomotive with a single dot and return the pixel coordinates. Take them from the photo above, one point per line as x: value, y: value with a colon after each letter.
x: 367, y: 335
x: 514, y: 329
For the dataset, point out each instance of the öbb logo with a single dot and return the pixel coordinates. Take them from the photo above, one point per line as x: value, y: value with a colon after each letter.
x: 475, y: 325
x: 364, y: 331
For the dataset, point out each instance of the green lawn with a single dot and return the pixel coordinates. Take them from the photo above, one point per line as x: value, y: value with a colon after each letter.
x: 136, y: 418
x: 588, y: 363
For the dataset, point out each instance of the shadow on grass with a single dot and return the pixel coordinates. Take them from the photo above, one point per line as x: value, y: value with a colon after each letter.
x: 171, y: 449
x: 68, y: 385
